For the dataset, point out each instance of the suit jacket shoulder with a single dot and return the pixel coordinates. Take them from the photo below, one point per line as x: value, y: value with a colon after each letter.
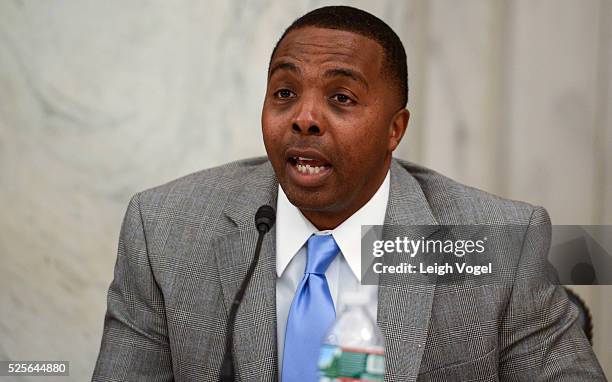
x: 228, y: 177
x: 202, y: 197
x: 454, y: 203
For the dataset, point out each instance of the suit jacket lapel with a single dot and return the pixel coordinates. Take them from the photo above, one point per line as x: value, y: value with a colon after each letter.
x: 405, y: 301
x: 255, y: 353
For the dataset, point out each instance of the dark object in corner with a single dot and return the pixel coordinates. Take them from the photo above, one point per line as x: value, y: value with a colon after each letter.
x: 584, y: 314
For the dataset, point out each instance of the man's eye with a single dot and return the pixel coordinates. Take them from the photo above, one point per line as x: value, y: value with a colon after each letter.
x: 284, y: 93
x: 342, y: 98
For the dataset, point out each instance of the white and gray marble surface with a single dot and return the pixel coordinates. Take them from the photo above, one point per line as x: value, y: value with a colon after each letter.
x: 101, y: 99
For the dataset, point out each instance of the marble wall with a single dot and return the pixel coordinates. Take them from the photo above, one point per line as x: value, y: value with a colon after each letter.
x: 101, y: 99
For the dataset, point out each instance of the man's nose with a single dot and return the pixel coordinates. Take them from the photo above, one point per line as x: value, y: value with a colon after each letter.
x: 307, y: 119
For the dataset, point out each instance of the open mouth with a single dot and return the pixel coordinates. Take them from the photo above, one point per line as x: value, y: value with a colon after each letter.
x: 308, y: 169
x: 308, y: 166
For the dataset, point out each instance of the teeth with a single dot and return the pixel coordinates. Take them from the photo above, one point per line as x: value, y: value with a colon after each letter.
x: 307, y: 169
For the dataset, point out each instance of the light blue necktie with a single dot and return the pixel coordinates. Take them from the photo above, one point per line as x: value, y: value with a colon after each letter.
x: 312, y: 313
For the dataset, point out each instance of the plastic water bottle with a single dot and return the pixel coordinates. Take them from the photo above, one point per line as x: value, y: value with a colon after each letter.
x: 353, y: 348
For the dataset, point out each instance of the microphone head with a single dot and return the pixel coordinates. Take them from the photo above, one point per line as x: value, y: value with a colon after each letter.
x: 264, y: 218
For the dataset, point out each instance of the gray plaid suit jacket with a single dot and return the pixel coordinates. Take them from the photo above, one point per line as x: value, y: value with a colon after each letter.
x: 185, y: 247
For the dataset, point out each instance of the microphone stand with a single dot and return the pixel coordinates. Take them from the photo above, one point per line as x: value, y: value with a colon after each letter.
x: 264, y: 220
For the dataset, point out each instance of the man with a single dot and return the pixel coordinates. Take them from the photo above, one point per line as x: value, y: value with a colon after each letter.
x: 333, y: 114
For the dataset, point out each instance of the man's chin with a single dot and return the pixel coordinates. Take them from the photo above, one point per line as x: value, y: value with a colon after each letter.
x: 311, y: 200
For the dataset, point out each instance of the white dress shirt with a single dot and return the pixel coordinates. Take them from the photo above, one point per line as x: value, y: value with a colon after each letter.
x: 344, y: 273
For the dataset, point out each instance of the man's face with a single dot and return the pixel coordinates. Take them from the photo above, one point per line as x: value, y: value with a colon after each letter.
x: 330, y: 121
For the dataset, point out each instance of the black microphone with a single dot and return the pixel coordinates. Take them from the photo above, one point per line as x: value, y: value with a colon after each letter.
x: 264, y: 220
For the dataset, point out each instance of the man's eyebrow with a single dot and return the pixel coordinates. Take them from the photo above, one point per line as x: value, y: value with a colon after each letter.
x: 283, y: 65
x: 344, y: 72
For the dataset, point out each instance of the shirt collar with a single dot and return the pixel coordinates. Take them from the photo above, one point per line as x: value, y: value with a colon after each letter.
x: 293, y: 229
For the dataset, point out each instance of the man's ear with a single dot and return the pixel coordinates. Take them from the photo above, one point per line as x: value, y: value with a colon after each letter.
x: 397, y: 128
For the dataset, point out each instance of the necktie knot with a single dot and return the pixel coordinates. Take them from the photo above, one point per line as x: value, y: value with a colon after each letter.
x: 321, y: 251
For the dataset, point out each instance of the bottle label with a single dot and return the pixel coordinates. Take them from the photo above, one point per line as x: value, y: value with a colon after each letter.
x: 345, y: 364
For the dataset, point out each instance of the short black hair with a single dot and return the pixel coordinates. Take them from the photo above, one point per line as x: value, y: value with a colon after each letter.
x: 355, y: 20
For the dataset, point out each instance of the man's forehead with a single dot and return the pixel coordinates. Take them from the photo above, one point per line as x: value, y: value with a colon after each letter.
x: 314, y: 42
x: 313, y: 45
